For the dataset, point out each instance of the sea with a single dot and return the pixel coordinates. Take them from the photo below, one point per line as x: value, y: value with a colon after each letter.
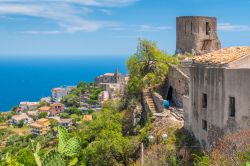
x: 29, y: 78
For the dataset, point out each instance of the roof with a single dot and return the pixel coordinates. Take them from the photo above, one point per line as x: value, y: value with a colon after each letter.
x: 42, y: 120
x: 60, y: 120
x: 32, y: 112
x: 57, y: 118
x: 223, y: 56
x: 20, y: 117
x: 40, y: 123
x: 36, y: 125
x: 65, y: 121
x: 63, y: 88
x: 109, y: 74
x: 87, y: 117
x: 56, y: 104
x: 197, y: 17
x: 57, y: 89
x: 29, y: 103
x: 45, y: 108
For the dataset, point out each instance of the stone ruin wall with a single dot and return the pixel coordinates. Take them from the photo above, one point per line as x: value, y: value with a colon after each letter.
x: 179, y: 82
x: 158, y: 100
x: 196, y: 35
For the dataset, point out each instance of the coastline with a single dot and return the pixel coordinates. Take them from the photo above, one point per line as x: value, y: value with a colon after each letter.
x: 31, y: 79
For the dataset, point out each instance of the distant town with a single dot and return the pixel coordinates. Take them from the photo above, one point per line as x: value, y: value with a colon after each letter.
x: 37, y: 115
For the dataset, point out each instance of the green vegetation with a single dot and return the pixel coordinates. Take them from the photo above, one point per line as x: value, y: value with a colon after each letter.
x: 73, y: 99
x: 147, y: 67
x: 82, y: 86
x: 20, y: 124
x: 42, y: 104
x: 42, y: 115
x: 64, y: 115
x: 103, y: 139
x: 67, y: 151
x: 2, y: 118
x: 94, y: 94
x: 99, y: 142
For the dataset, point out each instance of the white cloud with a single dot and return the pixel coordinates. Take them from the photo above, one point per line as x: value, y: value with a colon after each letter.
x: 107, y: 3
x: 150, y: 28
x: 106, y: 11
x: 232, y: 27
x: 99, y: 3
x: 69, y: 17
x: 49, y: 32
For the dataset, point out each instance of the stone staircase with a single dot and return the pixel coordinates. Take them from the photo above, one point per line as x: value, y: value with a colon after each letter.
x: 149, y: 100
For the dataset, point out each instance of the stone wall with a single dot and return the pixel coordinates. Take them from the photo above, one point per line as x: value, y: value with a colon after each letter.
x: 178, y: 83
x: 196, y: 35
x: 145, y: 109
x: 158, y: 100
x: 218, y: 85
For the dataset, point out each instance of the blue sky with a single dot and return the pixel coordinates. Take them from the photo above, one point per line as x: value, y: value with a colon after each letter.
x: 110, y: 27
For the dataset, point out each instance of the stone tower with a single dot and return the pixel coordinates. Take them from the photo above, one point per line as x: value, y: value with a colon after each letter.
x: 196, y: 35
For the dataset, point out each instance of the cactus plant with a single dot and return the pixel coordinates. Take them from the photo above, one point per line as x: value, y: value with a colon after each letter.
x: 36, y: 150
x: 67, y: 147
x: 53, y: 158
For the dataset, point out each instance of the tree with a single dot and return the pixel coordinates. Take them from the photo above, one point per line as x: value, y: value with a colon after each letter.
x: 64, y: 115
x: 20, y: 124
x: 42, y: 104
x: 2, y: 118
x: 42, y: 115
x: 107, y: 127
x: 71, y: 100
x: 53, y: 125
x: 74, y: 110
x: 82, y: 86
x: 25, y: 157
x: 7, y: 160
x: 147, y: 67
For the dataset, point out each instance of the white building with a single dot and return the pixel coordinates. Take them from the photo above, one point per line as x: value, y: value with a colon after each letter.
x: 46, y: 99
x: 62, y: 122
x: 28, y: 105
x: 60, y: 92
x: 115, y: 90
x: 22, y: 117
x: 103, y: 96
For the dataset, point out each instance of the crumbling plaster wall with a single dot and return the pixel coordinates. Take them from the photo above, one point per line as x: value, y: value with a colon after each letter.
x: 219, y: 84
x: 179, y: 82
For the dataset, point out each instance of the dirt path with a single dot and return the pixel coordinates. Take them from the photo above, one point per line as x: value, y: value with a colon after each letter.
x: 164, y: 121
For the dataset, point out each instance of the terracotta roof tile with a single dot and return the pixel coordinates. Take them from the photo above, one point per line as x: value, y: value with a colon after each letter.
x: 45, y: 108
x: 223, y: 56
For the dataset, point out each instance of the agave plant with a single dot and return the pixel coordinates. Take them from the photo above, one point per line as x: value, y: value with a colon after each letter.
x: 67, y: 147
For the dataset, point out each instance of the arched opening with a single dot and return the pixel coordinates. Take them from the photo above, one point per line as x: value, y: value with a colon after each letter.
x: 170, y: 93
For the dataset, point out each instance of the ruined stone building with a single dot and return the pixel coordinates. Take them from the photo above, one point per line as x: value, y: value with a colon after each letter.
x: 196, y: 35
x: 219, y: 94
x: 178, y: 85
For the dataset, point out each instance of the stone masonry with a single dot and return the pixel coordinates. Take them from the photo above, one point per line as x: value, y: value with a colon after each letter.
x: 196, y: 35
